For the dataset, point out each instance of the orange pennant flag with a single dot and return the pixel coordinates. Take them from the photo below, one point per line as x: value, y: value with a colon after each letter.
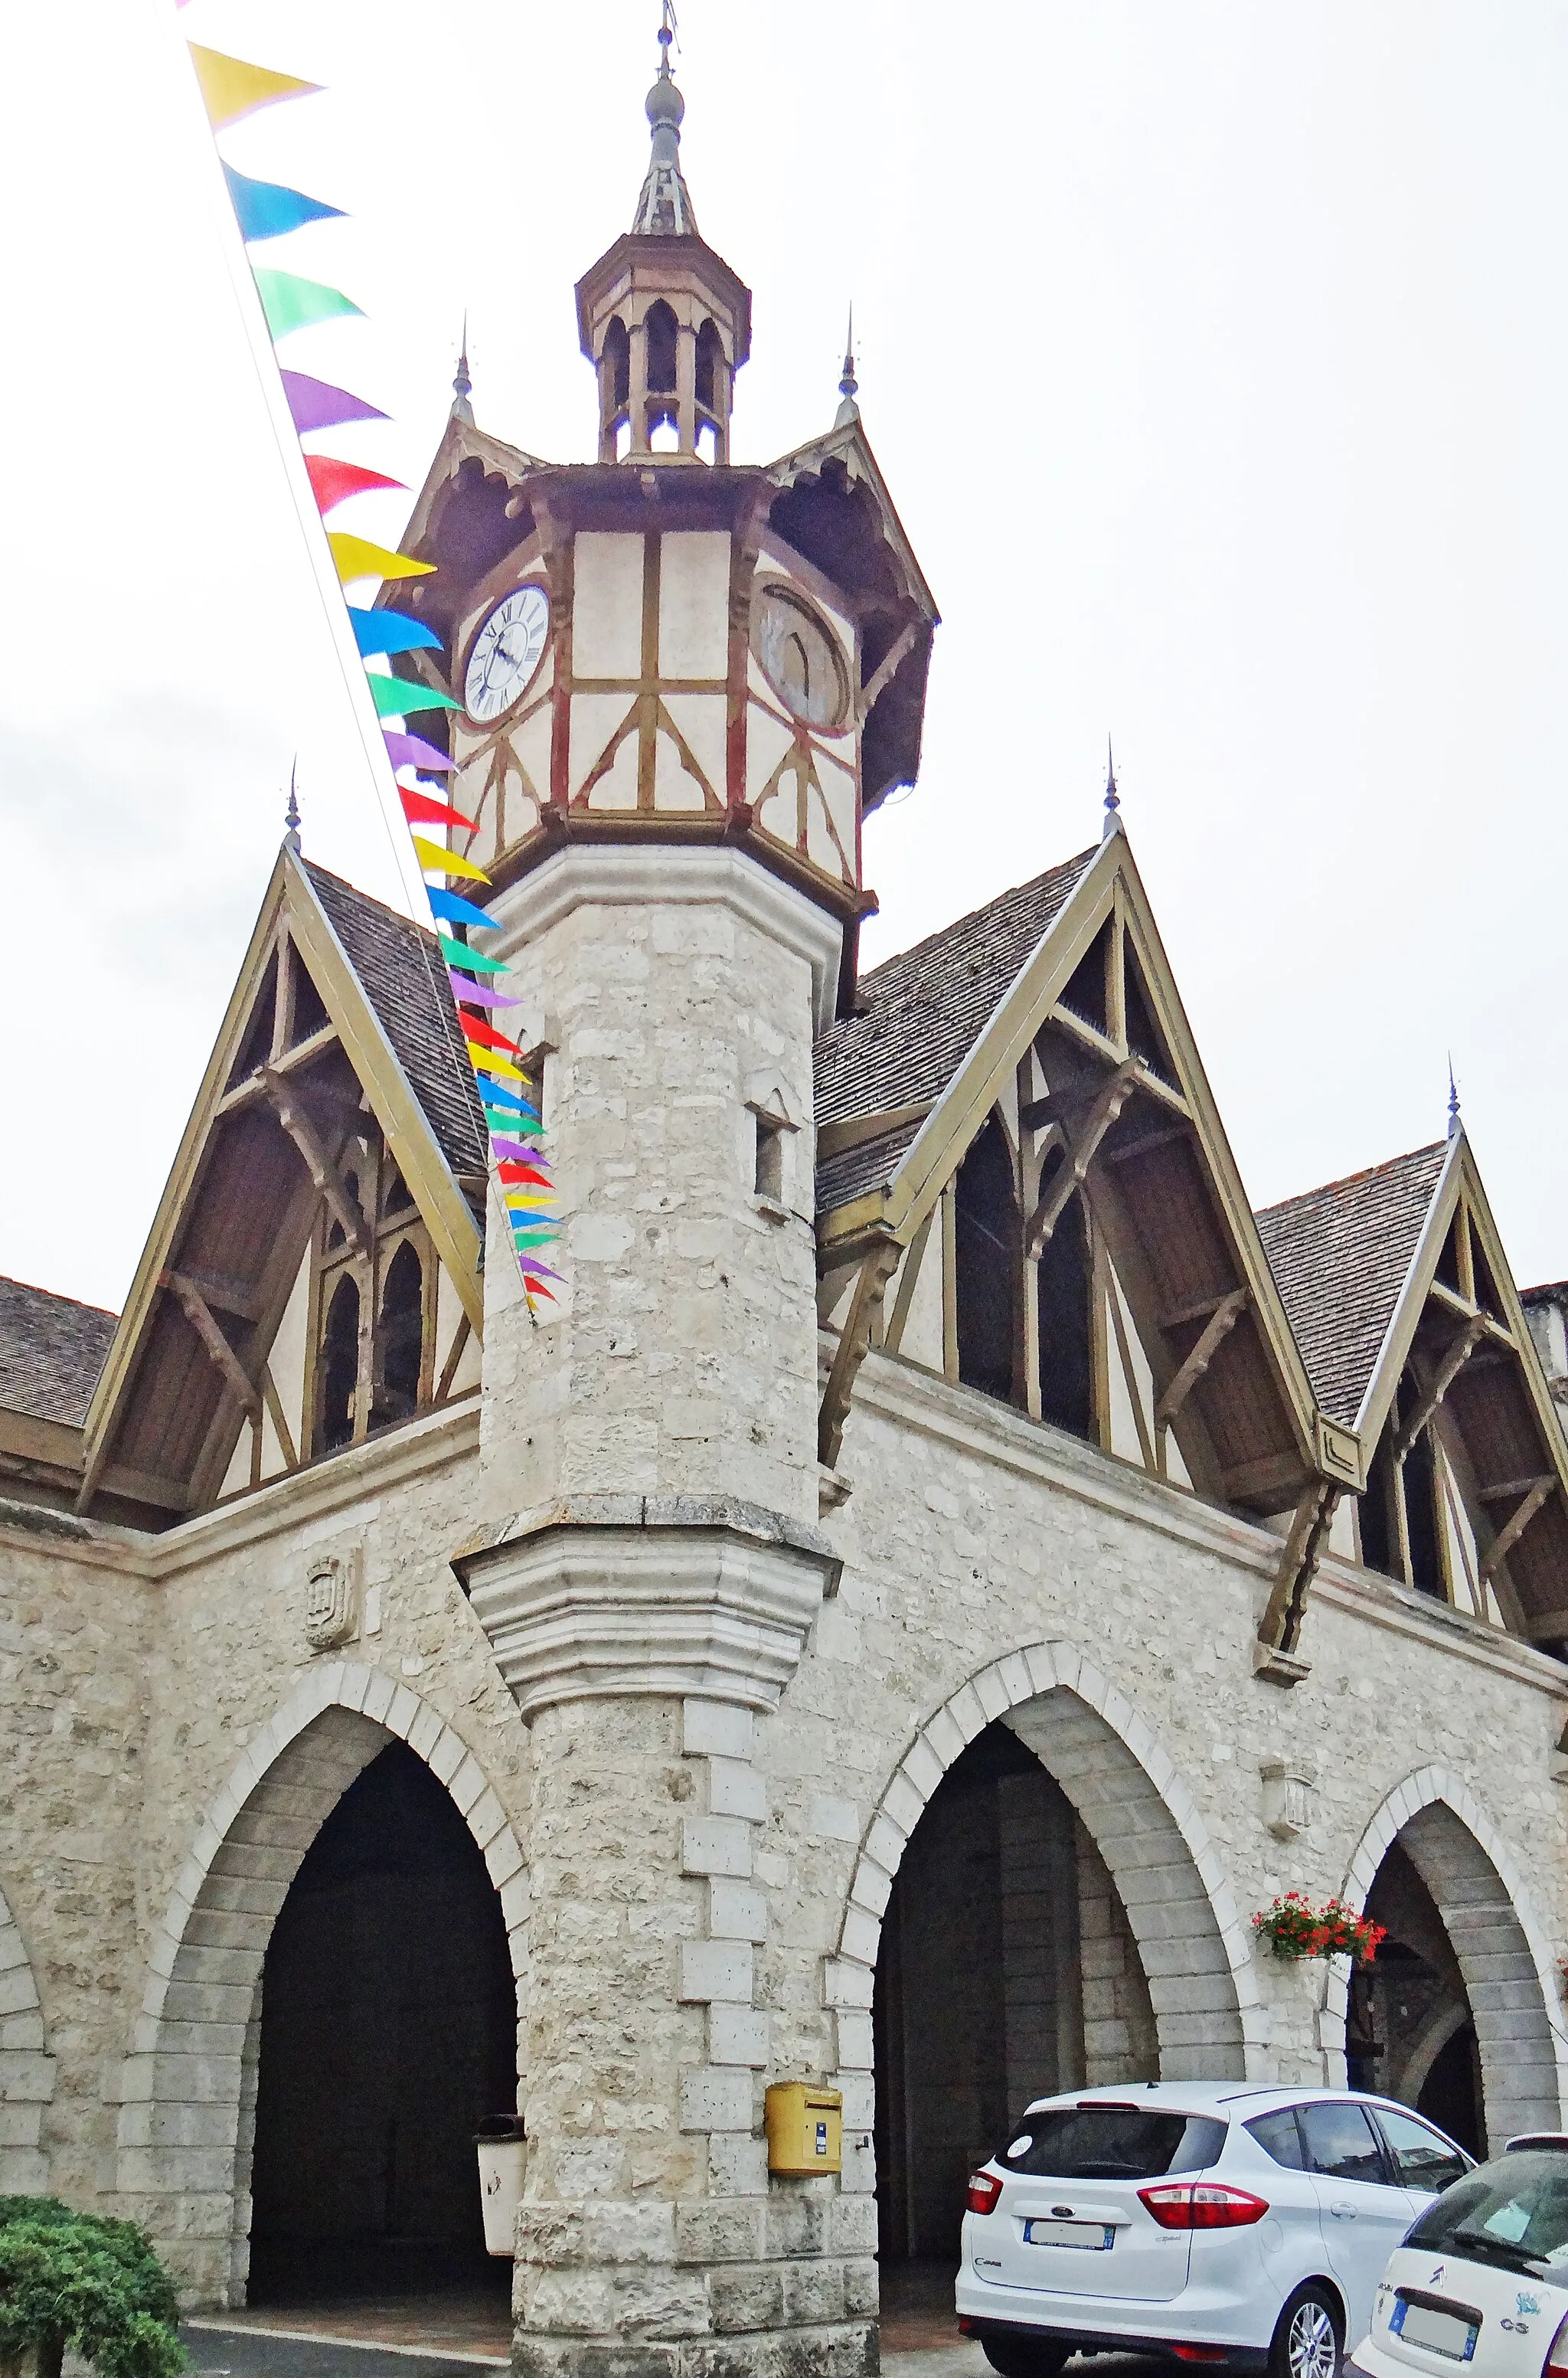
x: 232, y: 88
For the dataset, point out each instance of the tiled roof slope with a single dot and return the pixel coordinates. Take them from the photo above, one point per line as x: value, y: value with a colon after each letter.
x: 922, y: 1011
x: 1340, y: 1256
x: 52, y: 1350
x: 404, y: 976
x: 853, y: 1171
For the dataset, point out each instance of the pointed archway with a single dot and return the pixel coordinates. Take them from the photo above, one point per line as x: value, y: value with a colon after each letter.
x: 188, y: 2086
x: 1499, y: 1952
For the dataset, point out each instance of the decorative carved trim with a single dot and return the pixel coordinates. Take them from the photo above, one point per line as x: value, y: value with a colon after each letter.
x: 608, y: 1595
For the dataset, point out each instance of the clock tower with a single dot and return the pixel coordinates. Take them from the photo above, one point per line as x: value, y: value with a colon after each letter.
x: 683, y: 681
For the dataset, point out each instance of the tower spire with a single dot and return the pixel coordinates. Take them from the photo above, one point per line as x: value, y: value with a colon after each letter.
x: 291, y: 816
x: 664, y: 207
x: 1113, y: 799
x: 1455, y: 1125
x: 848, y: 387
x: 463, y: 387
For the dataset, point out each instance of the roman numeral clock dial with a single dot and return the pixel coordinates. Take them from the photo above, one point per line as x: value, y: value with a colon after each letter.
x: 506, y: 655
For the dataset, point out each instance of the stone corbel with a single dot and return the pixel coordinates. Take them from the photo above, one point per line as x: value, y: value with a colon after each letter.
x: 683, y: 1594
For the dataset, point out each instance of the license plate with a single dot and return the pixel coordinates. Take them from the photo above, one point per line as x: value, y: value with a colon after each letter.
x: 1087, y: 2237
x: 1440, y: 2332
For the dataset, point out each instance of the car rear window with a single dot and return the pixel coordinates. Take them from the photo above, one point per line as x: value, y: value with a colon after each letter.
x: 1279, y: 2137
x: 1513, y: 2213
x: 1111, y: 2142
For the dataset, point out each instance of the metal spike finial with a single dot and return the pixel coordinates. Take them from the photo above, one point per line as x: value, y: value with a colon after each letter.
x: 1455, y: 1127
x: 1113, y: 799
x: 462, y: 385
x: 663, y: 206
x: 291, y: 816
x: 848, y: 387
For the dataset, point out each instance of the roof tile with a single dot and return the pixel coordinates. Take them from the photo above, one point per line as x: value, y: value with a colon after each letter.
x: 1340, y: 1256
x: 52, y: 1350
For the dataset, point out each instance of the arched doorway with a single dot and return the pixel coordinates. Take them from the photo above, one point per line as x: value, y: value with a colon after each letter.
x: 1456, y: 2021
x: 1007, y: 1970
x: 1409, y: 2033
x: 388, y: 2032
x: 1036, y: 1904
x: 187, y: 2088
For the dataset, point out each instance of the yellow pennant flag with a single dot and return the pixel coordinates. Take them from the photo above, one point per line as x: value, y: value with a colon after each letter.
x: 434, y: 856
x: 357, y: 557
x: 233, y: 87
x: 487, y: 1061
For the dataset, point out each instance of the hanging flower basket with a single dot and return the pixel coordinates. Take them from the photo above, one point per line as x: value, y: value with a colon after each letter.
x: 1294, y: 1929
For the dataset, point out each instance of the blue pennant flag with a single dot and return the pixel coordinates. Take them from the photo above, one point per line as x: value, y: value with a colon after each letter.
x: 391, y: 631
x: 267, y: 210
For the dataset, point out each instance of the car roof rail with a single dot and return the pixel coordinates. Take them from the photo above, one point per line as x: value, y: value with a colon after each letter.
x: 1558, y: 2138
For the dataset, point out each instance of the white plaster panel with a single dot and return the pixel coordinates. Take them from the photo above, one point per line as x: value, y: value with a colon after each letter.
x: 606, y: 619
x: 694, y: 572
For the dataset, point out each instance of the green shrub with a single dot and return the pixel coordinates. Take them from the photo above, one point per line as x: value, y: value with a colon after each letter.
x: 77, y: 2279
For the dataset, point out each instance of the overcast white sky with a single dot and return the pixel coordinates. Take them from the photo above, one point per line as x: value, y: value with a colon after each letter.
x: 1215, y: 352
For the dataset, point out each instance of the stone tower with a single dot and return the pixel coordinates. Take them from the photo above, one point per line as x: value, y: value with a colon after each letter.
x: 684, y: 681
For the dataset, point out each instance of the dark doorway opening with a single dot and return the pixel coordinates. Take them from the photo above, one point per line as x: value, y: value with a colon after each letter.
x: 1007, y: 1971
x: 1409, y: 2033
x: 388, y: 2029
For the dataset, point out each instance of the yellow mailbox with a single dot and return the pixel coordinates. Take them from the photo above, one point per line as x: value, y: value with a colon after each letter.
x: 805, y: 2127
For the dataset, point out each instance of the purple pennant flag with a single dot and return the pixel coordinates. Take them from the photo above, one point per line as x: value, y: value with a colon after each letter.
x: 317, y: 404
x: 413, y: 751
x: 516, y: 1149
x: 479, y: 994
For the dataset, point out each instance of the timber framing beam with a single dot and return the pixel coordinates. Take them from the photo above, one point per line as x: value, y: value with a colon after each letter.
x: 876, y: 1268
x: 1459, y: 1352
x: 324, y: 1174
x: 1217, y: 1328
x: 1276, y: 1656
x: 288, y: 1060
x: 1108, y: 1101
x: 195, y: 1307
x: 1515, y: 1525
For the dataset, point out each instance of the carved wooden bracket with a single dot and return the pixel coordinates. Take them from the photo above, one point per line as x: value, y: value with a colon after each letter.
x: 329, y: 1181
x: 1109, y: 1102
x: 1275, y: 1655
x: 1218, y: 1327
x: 877, y: 1269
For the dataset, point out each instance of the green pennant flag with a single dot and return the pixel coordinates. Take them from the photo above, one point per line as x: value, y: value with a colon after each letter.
x: 291, y: 304
x: 458, y: 953
x: 399, y: 697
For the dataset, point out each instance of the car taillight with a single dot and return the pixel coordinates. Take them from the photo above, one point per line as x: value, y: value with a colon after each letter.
x: 1556, y: 2363
x: 1202, y: 2204
x: 985, y: 2188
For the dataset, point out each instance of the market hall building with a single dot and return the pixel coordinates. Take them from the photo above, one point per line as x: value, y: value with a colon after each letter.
x: 940, y: 1565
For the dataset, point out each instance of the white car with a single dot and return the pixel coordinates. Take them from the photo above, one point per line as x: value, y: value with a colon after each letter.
x: 1214, y: 2220
x: 1482, y: 2278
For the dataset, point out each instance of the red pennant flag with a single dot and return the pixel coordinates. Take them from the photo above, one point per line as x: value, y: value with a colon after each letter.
x: 486, y: 1035
x: 420, y: 809
x: 517, y: 1176
x: 536, y: 1287
x: 333, y: 483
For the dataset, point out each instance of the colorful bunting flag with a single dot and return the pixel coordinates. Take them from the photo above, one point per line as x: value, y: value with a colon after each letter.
x: 357, y: 557
x: 291, y: 302
x: 333, y: 483
x: 232, y: 89
x: 436, y: 859
x: 269, y: 209
x: 317, y: 404
x: 399, y: 697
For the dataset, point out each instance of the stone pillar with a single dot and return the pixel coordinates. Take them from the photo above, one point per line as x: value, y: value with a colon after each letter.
x: 646, y: 1570
x: 645, y: 1652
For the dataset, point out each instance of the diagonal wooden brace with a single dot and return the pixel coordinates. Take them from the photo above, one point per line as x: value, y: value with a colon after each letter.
x: 195, y: 1307
x: 877, y: 1269
x: 1218, y: 1327
x: 329, y: 1181
x: 1112, y: 1097
x: 1460, y: 1350
x: 1515, y: 1525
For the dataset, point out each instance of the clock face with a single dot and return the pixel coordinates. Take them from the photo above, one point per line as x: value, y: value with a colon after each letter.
x: 507, y: 652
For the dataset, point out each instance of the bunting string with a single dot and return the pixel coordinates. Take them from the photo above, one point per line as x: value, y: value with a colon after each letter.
x: 232, y: 90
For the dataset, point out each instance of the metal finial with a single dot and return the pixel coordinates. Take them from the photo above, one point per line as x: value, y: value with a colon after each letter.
x: 1113, y: 799
x: 848, y: 387
x: 1453, y: 1123
x: 291, y: 816
x: 664, y: 205
x: 463, y: 387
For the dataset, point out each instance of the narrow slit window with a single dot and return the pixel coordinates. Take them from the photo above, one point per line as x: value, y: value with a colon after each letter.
x: 768, y: 1174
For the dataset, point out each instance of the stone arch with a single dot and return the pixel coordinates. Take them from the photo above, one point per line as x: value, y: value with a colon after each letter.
x: 27, y: 2070
x: 1503, y: 1954
x: 1191, y: 1938
x: 187, y: 2122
